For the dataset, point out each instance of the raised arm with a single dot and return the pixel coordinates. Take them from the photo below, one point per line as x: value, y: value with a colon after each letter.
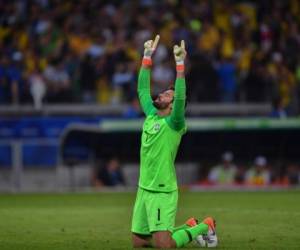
x: 144, y: 90
x: 177, y: 120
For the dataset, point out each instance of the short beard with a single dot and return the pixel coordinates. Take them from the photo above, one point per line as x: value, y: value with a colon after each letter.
x: 160, y: 105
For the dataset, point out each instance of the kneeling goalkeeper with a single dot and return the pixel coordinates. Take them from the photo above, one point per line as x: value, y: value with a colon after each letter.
x: 156, y: 202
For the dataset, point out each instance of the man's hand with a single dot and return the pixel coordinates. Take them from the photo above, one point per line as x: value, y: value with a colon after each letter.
x: 179, y: 53
x: 150, y: 46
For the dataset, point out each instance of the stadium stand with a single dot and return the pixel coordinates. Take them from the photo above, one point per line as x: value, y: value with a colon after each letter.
x: 239, y: 51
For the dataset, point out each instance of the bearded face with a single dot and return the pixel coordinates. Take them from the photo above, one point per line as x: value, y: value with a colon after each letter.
x: 164, y: 99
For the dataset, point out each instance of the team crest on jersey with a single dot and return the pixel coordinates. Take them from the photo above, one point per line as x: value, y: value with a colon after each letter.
x: 156, y: 127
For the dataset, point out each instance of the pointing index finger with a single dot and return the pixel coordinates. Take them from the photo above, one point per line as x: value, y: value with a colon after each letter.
x: 182, y: 45
x: 156, y: 40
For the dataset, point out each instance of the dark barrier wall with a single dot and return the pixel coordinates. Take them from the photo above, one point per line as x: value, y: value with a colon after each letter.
x: 206, y: 139
x: 46, y: 140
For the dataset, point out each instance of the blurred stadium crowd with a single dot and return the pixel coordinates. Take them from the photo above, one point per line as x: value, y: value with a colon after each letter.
x: 227, y: 172
x: 89, y: 51
x: 258, y: 173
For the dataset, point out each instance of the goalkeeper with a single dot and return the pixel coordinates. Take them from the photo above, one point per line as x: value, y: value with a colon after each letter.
x: 156, y: 202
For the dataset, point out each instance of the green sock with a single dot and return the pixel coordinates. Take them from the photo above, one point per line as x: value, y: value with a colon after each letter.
x: 184, y: 226
x: 184, y: 236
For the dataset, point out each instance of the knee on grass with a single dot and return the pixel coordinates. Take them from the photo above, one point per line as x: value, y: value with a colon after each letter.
x: 139, y: 241
x: 163, y: 240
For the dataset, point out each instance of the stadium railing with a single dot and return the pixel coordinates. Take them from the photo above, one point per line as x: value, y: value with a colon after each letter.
x: 193, y: 109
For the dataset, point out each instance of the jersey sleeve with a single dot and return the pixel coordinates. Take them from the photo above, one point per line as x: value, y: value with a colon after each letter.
x: 144, y: 91
x: 177, y: 120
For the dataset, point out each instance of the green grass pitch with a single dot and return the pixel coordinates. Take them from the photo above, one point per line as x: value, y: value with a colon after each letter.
x: 245, y: 220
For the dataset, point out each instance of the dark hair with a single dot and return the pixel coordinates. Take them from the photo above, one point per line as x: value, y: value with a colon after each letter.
x: 171, y: 87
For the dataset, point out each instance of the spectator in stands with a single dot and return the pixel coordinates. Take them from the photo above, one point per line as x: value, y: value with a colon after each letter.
x: 58, y: 82
x: 278, y: 110
x: 293, y: 174
x: 209, y: 38
x: 122, y: 81
x: 223, y: 173
x: 103, y: 90
x: 15, y: 80
x: 258, y: 77
x: 284, y: 79
x: 87, y: 79
x: 37, y: 87
x: 4, y: 86
x: 258, y: 174
x: 239, y: 177
x: 109, y: 174
x: 227, y: 80
x: 133, y: 110
x: 203, y: 80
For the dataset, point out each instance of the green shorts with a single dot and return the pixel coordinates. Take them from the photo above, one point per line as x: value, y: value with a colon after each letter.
x: 154, y: 211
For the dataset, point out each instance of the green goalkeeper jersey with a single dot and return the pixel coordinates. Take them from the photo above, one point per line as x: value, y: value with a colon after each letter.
x: 160, y: 138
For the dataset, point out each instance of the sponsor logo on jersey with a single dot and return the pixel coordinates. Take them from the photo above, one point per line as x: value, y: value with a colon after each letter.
x: 156, y: 127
